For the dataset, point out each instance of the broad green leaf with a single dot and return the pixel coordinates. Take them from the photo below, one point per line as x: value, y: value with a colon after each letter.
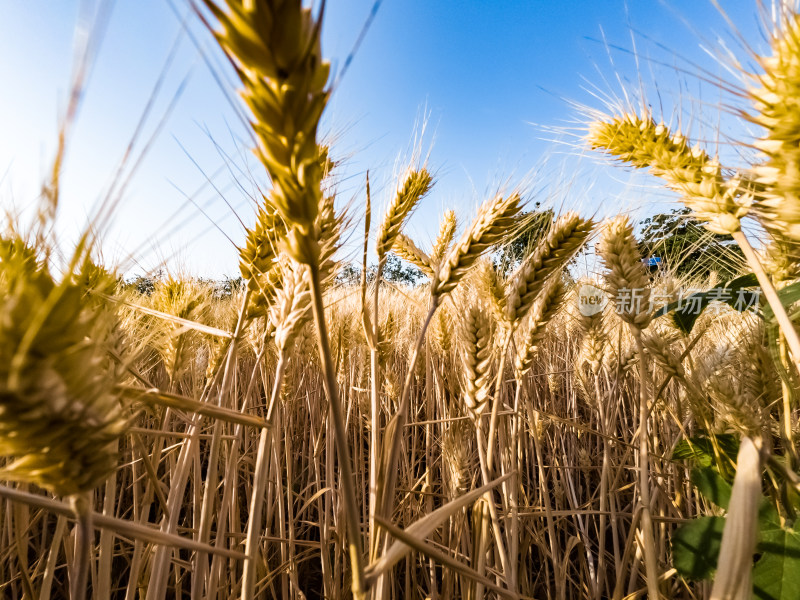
x: 695, y: 547
x: 776, y: 576
x: 712, y: 485
x: 685, y: 312
x: 700, y: 448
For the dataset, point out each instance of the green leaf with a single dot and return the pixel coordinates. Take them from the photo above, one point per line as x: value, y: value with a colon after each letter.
x: 695, y: 547
x: 686, y: 311
x: 776, y: 576
x: 788, y: 296
x: 712, y: 485
x: 700, y: 448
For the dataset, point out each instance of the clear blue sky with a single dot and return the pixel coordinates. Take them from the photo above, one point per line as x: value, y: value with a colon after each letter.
x: 494, y: 78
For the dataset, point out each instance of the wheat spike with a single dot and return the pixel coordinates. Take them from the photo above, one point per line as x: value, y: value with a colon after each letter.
x: 275, y: 46
x: 458, y: 458
x: 642, y: 143
x: 257, y: 258
x: 415, y: 186
x: 493, y: 222
x: 292, y: 306
x: 476, y: 334
x: 187, y: 300
x: 58, y: 408
x: 491, y: 286
x: 447, y: 231
x: 593, y: 340
x: 566, y: 237
x: 405, y: 248
x: 627, y: 282
x: 551, y: 302
x: 775, y: 101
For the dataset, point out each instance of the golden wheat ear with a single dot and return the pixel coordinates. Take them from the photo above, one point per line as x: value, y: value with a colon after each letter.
x: 627, y: 282
x: 719, y: 202
x: 477, y: 336
x: 447, y: 231
x: 567, y: 235
x: 494, y: 221
x: 551, y: 302
x: 405, y: 248
x: 775, y: 101
x: 275, y: 47
x: 415, y: 185
x: 59, y: 411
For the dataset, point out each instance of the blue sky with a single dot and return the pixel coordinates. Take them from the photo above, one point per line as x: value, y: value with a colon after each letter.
x: 497, y: 82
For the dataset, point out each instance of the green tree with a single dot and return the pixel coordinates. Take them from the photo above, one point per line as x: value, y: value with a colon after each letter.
x: 687, y: 248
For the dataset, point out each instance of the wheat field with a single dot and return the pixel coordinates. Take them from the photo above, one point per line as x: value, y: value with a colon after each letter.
x: 500, y: 429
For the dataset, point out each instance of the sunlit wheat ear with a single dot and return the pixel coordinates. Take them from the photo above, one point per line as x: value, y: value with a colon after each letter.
x: 257, y: 258
x: 275, y: 46
x: 458, y: 458
x: 627, y: 283
x: 493, y: 223
x: 185, y: 299
x: 566, y: 237
x: 490, y: 285
x: 58, y: 408
x: 642, y: 143
x: 405, y: 248
x: 476, y: 337
x: 775, y: 101
x: 593, y: 340
x: 551, y: 302
x: 659, y: 348
x: 443, y: 330
x: 328, y: 231
x: 291, y: 308
x: 780, y: 260
x: 447, y: 231
x: 415, y: 185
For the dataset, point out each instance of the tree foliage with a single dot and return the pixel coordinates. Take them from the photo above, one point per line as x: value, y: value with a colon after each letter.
x: 687, y: 248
